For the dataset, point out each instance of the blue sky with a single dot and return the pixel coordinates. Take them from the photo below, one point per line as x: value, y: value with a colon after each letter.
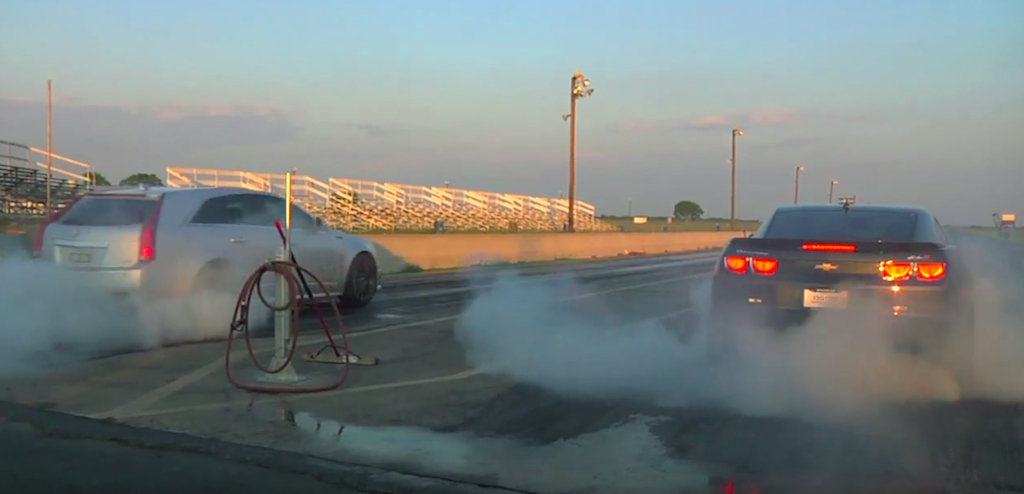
x: 901, y: 101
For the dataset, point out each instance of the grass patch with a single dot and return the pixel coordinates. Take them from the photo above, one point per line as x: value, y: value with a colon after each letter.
x: 410, y: 269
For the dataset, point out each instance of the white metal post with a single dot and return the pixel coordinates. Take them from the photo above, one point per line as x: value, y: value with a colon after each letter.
x: 283, y: 319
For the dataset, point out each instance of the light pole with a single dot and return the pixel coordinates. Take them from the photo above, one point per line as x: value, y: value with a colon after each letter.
x: 736, y: 132
x: 796, y: 190
x: 579, y: 88
x: 49, y: 147
x: 832, y: 191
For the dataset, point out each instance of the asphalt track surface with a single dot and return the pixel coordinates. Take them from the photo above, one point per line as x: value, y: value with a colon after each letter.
x: 426, y: 421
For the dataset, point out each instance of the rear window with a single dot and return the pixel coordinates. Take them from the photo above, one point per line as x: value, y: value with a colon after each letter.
x: 840, y: 225
x: 109, y: 211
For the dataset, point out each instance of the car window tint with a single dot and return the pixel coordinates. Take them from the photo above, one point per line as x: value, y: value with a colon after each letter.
x: 250, y: 209
x: 109, y: 211
x: 300, y: 218
x: 841, y: 225
x: 225, y: 210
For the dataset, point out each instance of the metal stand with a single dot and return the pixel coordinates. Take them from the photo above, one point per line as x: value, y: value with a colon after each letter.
x: 283, y: 319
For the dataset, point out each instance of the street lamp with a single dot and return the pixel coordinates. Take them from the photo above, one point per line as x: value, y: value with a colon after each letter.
x: 579, y: 88
x: 832, y: 191
x: 736, y: 132
x: 796, y: 191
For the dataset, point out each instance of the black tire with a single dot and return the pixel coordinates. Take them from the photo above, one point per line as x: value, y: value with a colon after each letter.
x: 361, y: 281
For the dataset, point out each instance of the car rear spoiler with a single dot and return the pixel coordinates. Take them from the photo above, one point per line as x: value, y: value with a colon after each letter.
x: 783, y: 244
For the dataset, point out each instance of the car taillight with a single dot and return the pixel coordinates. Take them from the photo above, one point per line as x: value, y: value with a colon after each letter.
x: 765, y: 266
x: 896, y: 271
x: 147, y: 239
x: 902, y: 271
x: 37, y: 248
x: 830, y: 247
x: 739, y: 265
x: 743, y: 265
x: 931, y: 271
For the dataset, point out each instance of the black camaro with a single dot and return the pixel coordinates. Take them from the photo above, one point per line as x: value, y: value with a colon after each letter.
x: 892, y: 261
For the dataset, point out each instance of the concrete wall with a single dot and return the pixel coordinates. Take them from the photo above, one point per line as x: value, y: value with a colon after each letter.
x: 454, y: 250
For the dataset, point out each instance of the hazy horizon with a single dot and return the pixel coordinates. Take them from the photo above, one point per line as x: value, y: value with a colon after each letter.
x: 913, y: 102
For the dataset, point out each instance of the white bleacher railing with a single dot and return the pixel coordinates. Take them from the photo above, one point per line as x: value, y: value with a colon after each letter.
x: 365, y: 204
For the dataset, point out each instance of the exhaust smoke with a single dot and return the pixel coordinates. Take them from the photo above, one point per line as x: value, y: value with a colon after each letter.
x: 998, y: 296
x: 638, y: 463
x: 53, y: 317
x: 839, y: 366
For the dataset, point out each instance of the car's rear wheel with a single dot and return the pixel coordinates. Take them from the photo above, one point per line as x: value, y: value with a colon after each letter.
x: 361, y: 281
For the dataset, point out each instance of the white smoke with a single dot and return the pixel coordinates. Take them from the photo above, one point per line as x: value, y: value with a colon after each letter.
x: 638, y: 462
x: 839, y: 366
x: 998, y: 296
x: 53, y: 317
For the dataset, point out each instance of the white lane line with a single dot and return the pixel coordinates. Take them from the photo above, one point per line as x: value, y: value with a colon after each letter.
x: 129, y: 414
x: 201, y: 373
x: 387, y: 329
x: 574, y: 267
x: 360, y: 389
x: 152, y: 397
x: 691, y: 261
x: 343, y: 391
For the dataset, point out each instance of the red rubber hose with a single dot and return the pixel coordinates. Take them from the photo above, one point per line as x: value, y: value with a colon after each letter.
x: 240, y: 323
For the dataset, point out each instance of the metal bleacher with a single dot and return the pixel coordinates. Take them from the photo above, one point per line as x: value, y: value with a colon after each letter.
x: 23, y: 182
x: 362, y: 205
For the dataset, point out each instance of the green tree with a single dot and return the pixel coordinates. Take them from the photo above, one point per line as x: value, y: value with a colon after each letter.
x: 688, y: 210
x: 142, y: 179
x: 97, y: 178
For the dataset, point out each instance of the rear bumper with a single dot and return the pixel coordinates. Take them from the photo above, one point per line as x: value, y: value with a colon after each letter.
x: 118, y: 283
x: 912, y: 310
x: 139, y: 282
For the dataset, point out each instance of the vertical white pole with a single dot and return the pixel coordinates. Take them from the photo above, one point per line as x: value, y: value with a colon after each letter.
x: 283, y: 319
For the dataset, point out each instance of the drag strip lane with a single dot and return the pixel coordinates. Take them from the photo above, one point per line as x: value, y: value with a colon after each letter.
x: 691, y: 269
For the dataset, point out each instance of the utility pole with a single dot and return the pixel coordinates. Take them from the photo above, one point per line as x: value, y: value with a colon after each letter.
x: 579, y: 88
x: 832, y: 191
x: 796, y: 191
x: 629, y: 207
x: 736, y: 132
x: 49, y: 146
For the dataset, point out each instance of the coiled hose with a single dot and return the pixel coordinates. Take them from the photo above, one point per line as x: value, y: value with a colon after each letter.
x: 291, y: 272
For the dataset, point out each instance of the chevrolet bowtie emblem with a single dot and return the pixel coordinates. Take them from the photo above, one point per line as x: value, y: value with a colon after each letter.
x: 826, y: 267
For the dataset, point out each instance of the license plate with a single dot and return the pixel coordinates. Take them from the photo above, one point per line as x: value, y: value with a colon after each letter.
x: 825, y: 299
x: 80, y: 257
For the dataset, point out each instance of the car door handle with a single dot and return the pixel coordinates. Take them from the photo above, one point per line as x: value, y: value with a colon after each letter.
x: 238, y: 240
